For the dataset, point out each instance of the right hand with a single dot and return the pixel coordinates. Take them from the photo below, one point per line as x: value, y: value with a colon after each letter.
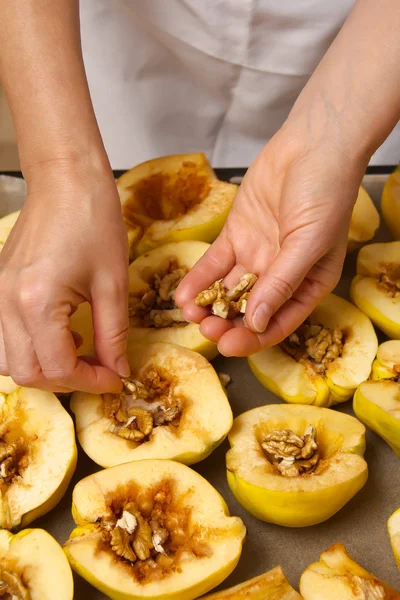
x: 68, y: 246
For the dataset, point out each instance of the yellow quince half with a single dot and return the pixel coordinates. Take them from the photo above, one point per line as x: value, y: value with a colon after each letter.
x: 33, y: 567
x: 172, y: 406
x: 152, y: 529
x: 171, y: 199
x: 6, y: 224
x: 377, y: 402
x: 390, y: 203
x: 364, y: 222
x: 295, y: 465
x: 324, y: 360
x: 268, y: 586
x: 338, y: 577
x: 37, y: 453
x: 394, y: 534
x: 154, y: 316
x: 376, y: 287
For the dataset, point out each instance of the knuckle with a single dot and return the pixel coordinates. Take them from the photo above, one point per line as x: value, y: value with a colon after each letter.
x: 278, y: 331
x: 58, y: 374
x: 112, y: 337
x: 281, y: 287
x: 26, y: 379
x: 34, y: 296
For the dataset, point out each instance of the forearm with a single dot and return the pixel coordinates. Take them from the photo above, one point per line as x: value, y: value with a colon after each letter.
x: 354, y: 94
x: 41, y: 69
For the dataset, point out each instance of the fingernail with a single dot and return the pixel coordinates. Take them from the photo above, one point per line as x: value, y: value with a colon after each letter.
x: 123, y: 368
x: 261, y: 317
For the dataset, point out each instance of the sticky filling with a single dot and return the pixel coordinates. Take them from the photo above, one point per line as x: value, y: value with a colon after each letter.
x: 151, y: 532
x: 12, y: 586
x: 315, y: 346
x: 143, y: 406
x: 156, y: 307
x: 291, y: 454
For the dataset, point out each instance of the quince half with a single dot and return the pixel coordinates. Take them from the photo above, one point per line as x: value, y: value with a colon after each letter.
x: 153, y: 279
x: 33, y: 567
x: 171, y: 199
x: 338, y: 577
x: 6, y: 224
x: 173, y: 406
x: 390, y: 203
x: 295, y: 465
x: 152, y: 529
x: 324, y: 360
x: 376, y: 287
x: 268, y: 586
x: 37, y: 453
x: 377, y: 402
x: 364, y: 222
x: 394, y: 534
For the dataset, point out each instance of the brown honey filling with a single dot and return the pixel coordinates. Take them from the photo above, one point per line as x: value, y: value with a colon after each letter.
x: 150, y: 531
x: 143, y: 406
x: 156, y: 307
x: 314, y: 345
x: 165, y: 196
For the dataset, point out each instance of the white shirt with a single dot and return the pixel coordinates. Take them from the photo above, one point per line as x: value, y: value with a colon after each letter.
x: 218, y: 76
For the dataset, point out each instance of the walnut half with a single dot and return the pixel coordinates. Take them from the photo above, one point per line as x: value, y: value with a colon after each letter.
x: 291, y: 454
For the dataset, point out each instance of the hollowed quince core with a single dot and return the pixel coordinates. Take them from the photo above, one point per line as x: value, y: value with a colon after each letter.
x: 201, y: 542
x: 174, y: 377
x: 38, y: 453
x: 364, y: 222
x: 141, y: 275
x: 268, y: 586
x: 390, y: 204
x: 307, y: 499
x: 338, y: 577
x: 171, y: 199
x: 394, y: 534
x: 304, y: 382
x: 34, y: 560
x: 376, y: 287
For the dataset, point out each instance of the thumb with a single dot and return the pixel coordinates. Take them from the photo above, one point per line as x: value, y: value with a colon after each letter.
x: 283, y: 277
x: 110, y: 325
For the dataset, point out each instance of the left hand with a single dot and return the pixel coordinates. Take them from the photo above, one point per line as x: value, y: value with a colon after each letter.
x: 289, y: 225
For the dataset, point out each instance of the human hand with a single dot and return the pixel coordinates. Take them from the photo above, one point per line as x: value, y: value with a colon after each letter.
x: 289, y: 225
x: 68, y: 246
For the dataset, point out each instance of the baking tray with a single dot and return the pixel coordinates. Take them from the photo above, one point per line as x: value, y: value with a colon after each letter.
x: 360, y: 525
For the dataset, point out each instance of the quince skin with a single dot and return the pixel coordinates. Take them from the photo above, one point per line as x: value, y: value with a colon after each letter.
x: 268, y: 586
x: 394, y: 534
x: 390, y: 203
x: 152, y: 529
x: 364, y: 222
x: 311, y: 494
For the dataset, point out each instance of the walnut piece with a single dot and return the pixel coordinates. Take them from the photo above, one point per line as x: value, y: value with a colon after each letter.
x: 12, y: 587
x: 142, y: 406
x: 8, y: 463
x: 291, y: 454
x: 389, y: 280
x: 225, y: 379
x: 314, y: 345
x: 156, y: 307
x: 227, y: 303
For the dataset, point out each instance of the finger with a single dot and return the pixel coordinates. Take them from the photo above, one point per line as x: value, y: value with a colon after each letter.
x: 111, y: 324
x: 3, y: 359
x: 47, y: 323
x: 22, y: 361
x: 243, y: 341
x: 213, y: 328
x: 78, y: 339
x: 234, y: 275
x: 281, y: 280
x: 214, y: 264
